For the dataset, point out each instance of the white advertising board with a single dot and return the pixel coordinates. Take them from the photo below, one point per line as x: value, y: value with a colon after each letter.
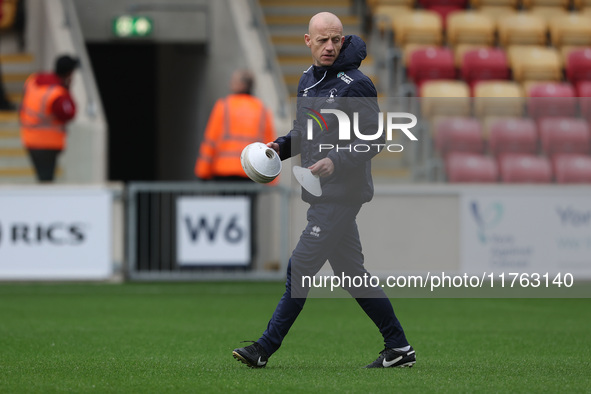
x: 55, y: 234
x: 526, y: 232
x: 213, y: 231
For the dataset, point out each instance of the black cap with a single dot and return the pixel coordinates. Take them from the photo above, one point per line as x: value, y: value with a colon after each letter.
x: 65, y: 64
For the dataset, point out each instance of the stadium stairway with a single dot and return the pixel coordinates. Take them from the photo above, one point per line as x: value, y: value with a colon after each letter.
x: 287, y: 22
x: 15, y: 166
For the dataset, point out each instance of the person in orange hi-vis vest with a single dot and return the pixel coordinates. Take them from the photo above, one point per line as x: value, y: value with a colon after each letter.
x: 45, y: 109
x: 235, y: 121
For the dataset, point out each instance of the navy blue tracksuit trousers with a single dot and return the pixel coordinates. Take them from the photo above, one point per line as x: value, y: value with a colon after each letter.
x: 331, y: 234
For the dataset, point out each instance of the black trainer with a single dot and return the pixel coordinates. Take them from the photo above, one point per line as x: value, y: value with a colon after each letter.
x: 390, y: 358
x: 253, y: 355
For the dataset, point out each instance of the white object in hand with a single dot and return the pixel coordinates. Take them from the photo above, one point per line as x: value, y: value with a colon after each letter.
x: 261, y: 163
x: 309, y: 181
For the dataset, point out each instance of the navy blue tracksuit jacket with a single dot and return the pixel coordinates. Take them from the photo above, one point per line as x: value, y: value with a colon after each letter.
x: 341, y: 86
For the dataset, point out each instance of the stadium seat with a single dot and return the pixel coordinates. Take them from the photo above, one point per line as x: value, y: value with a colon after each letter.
x: 572, y: 29
x: 408, y: 50
x: 494, y: 3
x: 564, y: 135
x: 458, y: 134
x: 496, y: 13
x: 469, y: 27
x: 523, y: 168
x: 470, y: 167
x: 512, y: 135
x: 551, y: 99
x: 386, y: 15
x: 461, y: 49
x: 572, y: 168
x: 374, y: 4
x: 452, y: 3
x: 584, y: 89
x: 578, y: 65
x: 431, y: 63
x: 445, y: 97
x: 584, y: 93
x: 418, y: 27
x: 498, y: 98
x: 534, y: 63
x: 548, y: 13
x: 581, y: 4
x: 484, y: 64
x: 522, y: 29
x: 528, y: 4
x: 444, y: 11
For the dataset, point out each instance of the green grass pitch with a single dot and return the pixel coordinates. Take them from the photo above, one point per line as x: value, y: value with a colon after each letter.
x: 178, y: 338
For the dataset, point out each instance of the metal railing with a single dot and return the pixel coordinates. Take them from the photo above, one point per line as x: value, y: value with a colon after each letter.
x: 93, y: 103
x: 272, y: 66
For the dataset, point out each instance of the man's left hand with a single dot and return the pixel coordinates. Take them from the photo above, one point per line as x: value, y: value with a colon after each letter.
x: 322, y: 168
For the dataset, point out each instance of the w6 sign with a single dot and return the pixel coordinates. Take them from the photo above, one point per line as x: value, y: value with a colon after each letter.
x: 213, y: 230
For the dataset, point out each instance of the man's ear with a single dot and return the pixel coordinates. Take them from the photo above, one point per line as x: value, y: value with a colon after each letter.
x: 307, y: 40
x: 342, y: 40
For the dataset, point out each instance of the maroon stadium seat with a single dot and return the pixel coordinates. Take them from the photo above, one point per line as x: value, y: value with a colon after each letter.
x: 572, y: 168
x: 578, y: 66
x: 470, y: 167
x: 552, y: 99
x: 431, y: 63
x: 458, y: 134
x: 513, y: 135
x: 584, y: 89
x: 564, y: 135
x: 523, y: 168
x: 584, y: 93
x: 484, y: 64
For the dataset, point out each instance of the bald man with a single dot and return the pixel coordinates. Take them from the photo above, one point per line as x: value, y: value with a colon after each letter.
x: 332, y: 82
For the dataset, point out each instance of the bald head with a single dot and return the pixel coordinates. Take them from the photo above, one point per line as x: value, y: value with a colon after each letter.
x: 325, y: 38
x: 323, y: 19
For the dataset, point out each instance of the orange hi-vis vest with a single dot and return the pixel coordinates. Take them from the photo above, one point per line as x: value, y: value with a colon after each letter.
x: 39, y: 128
x: 235, y: 122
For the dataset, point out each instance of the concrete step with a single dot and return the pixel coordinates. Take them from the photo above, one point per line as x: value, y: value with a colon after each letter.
x: 10, y: 142
x: 300, y: 30
x: 23, y: 58
x: 9, y: 172
x: 307, y: 11
x: 24, y: 176
x: 15, y: 151
x: 304, y: 3
x: 21, y: 162
x: 18, y: 63
x: 16, y: 68
x: 8, y: 117
x: 15, y: 165
x: 8, y: 133
x: 303, y: 20
x: 15, y: 97
x: 14, y: 77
